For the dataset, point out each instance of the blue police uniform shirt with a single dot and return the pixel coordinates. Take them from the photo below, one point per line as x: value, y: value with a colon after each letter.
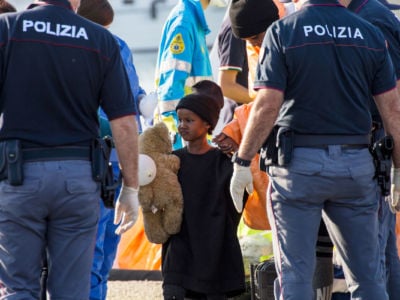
x: 55, y: 71
x: 327, y: 64
x: 379, y: 15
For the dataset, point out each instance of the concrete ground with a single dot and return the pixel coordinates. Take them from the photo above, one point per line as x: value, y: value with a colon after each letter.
x: 134, y: 290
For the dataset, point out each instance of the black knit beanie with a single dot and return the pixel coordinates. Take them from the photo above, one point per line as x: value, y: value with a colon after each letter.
x: 210, y: 88
x: 251, y: 17
x: 98, y: 11
x: 202, y: 105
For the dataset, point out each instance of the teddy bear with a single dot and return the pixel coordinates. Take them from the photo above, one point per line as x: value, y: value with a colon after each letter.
x: 161, y: 199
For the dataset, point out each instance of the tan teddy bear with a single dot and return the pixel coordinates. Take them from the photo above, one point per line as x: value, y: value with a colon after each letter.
x: 161, y: 200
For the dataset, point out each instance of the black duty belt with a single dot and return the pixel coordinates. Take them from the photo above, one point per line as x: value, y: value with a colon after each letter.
x: 56, y: 153
x: 323, y: 141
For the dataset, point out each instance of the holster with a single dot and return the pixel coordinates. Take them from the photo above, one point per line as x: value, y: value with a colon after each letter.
x: 109, y: 187
x: 381, y: 151
x: 11, y: 162
x: 102, y: 169
x: 14, y: 162
x: 269, y: 151
x: 277, y: 149
x: 100, y: 157
x: 284, y: 143
x: 3, y: 161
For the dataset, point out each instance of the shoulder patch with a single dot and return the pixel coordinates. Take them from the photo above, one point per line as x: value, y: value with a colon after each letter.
x: 177, y: 45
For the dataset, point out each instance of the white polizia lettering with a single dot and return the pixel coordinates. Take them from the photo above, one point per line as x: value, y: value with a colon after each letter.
x: 341, y: 32
x: 49, y: 28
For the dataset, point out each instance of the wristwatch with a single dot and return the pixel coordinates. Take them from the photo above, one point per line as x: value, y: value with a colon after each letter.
x: 241, y: 162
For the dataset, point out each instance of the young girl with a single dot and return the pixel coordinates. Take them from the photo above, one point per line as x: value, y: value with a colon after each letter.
x: 204, y: 260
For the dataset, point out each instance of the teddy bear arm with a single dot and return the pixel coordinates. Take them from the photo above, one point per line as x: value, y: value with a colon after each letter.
x: 172, y: 162
x: 146, y: 197
x: 153, y: 227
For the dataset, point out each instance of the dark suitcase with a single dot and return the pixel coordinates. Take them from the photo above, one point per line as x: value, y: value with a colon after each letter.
x: 262, y: 277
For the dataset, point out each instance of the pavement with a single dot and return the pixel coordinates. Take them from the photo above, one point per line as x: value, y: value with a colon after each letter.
x: 134, y: 290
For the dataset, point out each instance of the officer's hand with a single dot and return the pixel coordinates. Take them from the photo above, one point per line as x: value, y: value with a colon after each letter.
x: 394, y: 201
x: 127, y: 208
x: 241, y: 180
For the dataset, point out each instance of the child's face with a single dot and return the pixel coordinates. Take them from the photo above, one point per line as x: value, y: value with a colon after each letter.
x: 191, y: 127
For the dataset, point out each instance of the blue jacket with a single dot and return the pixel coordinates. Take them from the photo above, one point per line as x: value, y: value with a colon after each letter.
x: 137, y: 90
x: 183, y: 57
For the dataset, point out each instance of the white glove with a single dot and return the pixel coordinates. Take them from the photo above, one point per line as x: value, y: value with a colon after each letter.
x: 126, y: 209
x: 219, y: 3
x: 241, y: 180
x: 147, y: 105
x: 394, y: 203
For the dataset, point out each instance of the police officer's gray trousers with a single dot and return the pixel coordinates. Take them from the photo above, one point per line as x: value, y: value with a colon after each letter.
x: 337, y: 184
x: 56, y: 207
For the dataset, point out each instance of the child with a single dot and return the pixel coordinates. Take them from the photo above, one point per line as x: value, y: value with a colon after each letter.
x: 204, y: 259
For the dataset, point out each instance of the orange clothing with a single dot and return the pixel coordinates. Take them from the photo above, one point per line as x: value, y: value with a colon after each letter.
x: 398, y: 232
x: 136, y: 252
x: 254, y: 213
x: 252, y: 60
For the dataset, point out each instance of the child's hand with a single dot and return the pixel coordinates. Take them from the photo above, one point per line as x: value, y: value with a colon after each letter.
x: 226, y: 144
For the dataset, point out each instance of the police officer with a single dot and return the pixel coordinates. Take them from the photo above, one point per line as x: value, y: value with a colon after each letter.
x: 380, y: 15
x: 317, y: 69
x: 57, y: 68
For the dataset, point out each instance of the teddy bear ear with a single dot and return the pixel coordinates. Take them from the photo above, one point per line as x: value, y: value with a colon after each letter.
x: 162, y: 126
x: 147, y: 169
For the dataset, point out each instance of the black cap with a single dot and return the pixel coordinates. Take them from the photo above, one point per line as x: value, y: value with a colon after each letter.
x: 202, y: 105
x: 211, y: 89
x: 251, y: 17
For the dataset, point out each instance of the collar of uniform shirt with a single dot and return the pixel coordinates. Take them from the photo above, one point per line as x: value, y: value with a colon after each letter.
x: 62, y: 3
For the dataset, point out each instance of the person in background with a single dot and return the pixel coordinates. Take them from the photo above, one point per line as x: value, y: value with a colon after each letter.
x: 102, y: 13
x: 6, y: 7
x: 204, y: 259
x: 232, y: 72
x: 328, y: 171
x: 182, y: 59
x: 241, y: 26
x: 50, y: 197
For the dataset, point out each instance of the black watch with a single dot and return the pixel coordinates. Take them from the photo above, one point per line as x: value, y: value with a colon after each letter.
x: 241, y: 162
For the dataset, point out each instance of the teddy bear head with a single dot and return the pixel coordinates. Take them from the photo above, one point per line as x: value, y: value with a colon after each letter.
x: 155, y: 139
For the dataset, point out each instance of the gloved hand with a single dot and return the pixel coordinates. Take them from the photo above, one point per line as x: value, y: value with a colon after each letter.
x: 147, y: 105
x: 394, y: 201
x: 241, y: 180
x: 126, y: 209
x: 219, y: 3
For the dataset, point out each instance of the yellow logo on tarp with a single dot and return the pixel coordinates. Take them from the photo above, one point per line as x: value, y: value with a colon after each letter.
x: 177, y: 45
